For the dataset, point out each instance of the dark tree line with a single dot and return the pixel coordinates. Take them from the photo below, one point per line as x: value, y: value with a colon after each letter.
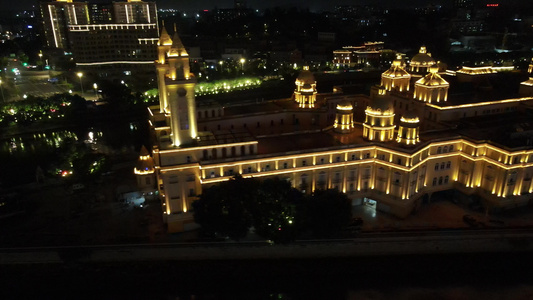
x: 272, y: 208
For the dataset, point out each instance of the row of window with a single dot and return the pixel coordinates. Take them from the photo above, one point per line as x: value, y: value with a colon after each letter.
x: 441, y: 180
x: 225, y: 153
x: 443, y: 165
x: 445, y: 149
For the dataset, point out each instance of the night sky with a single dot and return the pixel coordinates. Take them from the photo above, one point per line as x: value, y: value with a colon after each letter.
x: 313, y: 5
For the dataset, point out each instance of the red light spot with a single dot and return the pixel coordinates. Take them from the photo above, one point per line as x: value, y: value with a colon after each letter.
x: 493, y: 5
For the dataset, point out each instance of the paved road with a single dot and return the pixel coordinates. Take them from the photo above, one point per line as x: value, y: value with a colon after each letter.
x: 30, y: 82
x: 423, y: 243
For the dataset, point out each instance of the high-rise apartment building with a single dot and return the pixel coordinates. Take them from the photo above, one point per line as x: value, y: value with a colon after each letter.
x: 57, y: 16
x: 107, y: 40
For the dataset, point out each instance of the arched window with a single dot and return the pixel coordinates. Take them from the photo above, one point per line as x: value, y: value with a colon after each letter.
x: 436, y: 166
x: 251, y: 149
x: 224, y: 152
x: 451, y: 148
x: 440, y: 180
x: 445, y: 149
x: 448, y: 164
x: 442, y: 165
x: 446, y: 179
x: 233, y: 152
x: 214, y: 153
x: 243, y: 150
x: 439, y: 150
x: 205, y: 154
x: 434, y: 181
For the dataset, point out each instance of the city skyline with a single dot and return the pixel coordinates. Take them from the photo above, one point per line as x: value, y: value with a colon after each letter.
x: 314, y: 5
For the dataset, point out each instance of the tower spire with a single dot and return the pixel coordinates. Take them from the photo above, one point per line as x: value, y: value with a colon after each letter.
x: 164, y: 37
x: 177, y: 44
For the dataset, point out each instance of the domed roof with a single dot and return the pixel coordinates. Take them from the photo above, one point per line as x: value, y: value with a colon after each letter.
x: 306, y: 77
x: 422, y: 58
x: 410, y: 114
x: 381, y: 104
x: 432, y: 79
x: 396, y: 71
x: 345, y: 105
x: 410, y: 117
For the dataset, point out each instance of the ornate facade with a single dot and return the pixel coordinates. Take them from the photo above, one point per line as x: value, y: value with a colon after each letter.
x: 369, y: 158
x: 305, y: 92
x: 432, y: 87
x: 396, y: 78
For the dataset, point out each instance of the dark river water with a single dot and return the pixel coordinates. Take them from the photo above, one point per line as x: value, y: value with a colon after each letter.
x: 20, y: 155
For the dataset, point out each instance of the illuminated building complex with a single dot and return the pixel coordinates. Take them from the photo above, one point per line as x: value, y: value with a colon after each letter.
x: 351, y: 56
x: 399, y: 152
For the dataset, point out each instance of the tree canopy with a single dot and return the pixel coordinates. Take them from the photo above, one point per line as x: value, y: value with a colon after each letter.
x: 274, y: 209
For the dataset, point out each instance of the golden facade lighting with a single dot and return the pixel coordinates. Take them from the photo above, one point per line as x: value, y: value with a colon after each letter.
x: 145, y: 164
x: 421, y: 62
x: 379, y: 119
x: 526, y: 88
x: 408, y: 131
x: 176, y: 88
x: 431, y: 88
x: 477, y: 70
x: 305, y: 92
x: 396, y: 78
x: 523, y: 99
x: 344, y: 117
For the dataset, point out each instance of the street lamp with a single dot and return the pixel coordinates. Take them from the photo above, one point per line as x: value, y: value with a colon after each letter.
x: 80, y: 75
x: 2, y: 89
x: 242, y: 64
x: 41, y: 59
x: 95, y: 87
